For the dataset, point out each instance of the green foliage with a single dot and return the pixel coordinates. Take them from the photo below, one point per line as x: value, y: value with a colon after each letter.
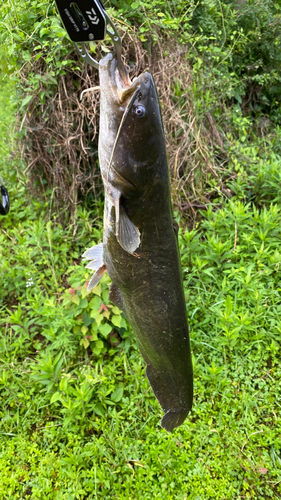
x: 31, y: 30
x: 237, y: 268
x: 239, y: 43
x: 99, y: 326
x: 37, y: 266
x: 231, y: 49
x: 234, y: 46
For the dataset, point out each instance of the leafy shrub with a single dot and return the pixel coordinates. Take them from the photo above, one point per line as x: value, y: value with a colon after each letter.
x: 100, y: 326
x: 242, y: 45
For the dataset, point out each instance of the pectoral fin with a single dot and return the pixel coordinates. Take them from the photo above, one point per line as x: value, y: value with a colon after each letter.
x: 127, y: 234
x: 95, y: 254
x: 176, y: 228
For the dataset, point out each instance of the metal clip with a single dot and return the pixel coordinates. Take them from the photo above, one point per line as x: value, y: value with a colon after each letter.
x: 117, y: 46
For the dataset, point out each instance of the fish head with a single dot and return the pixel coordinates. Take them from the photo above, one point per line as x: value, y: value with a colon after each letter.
x: 131, y: 140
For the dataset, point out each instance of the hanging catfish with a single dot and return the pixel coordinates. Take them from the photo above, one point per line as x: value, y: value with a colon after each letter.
x: 140, y: 249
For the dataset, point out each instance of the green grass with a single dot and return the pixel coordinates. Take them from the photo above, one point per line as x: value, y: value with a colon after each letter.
x: 78, y: 417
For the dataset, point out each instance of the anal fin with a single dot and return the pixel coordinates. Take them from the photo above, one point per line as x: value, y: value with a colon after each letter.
x: 94, y: 253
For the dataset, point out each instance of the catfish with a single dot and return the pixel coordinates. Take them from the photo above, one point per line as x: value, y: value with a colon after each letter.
x: 140, y: 248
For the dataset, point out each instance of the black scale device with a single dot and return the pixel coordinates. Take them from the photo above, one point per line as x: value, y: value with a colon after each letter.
x: 87, y: 21
x: 84, y: 20
x: 4, y: 201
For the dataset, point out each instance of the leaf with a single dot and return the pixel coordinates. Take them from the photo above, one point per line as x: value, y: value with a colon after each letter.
x: 63, y: 384
x: 85, y: 342
x: 228, y: 305
x: 116, y: 321
x: 44, y: 31
x: 115, y: 310
x: 105, y: 48
x: 99, y: 410
x: 117, y: 394
x: 98, y: 319
x: 97, y: 290
x: 95, y: 304
x: 84, y: 303
x: 106, y: 314
x: 209, y: 272
x: 263, y: 470
x: 237, y: 96
x: 123, y: 323
x: 105, y: 294
x: 84, y: 291
x: 55, y: 397
x: 86, y: 319
x: 75, y: 298
x: 105, y: 329
x: 94, y: 336
x: 26, y: 100
x: 96, y: 351
x: 138, y: 463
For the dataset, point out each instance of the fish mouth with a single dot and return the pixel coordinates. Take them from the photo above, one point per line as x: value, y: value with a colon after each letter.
x: 125, y: 88
x: 121, y: 84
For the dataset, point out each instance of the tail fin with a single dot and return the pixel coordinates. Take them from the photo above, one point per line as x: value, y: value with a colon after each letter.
x: 167, y: 397
x: 173, y: 418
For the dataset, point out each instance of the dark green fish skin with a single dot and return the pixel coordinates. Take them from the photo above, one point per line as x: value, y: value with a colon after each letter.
x: 140, y: 248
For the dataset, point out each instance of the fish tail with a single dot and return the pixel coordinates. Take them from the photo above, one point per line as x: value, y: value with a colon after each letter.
x: 167, y: 397
x: 173, y: 418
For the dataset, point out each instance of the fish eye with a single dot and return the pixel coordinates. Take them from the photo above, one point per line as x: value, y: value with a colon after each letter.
x: 139, y: 111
